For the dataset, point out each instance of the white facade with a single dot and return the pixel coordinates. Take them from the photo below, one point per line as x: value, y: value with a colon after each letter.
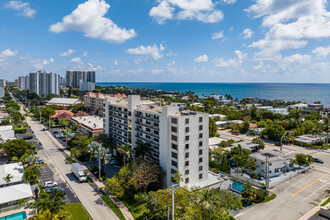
x: 283, y: 111
x: 178, y: 139
x: 86, y: 86
x: 23, y: 82
x: 43, y: 83
x: 2, y: 92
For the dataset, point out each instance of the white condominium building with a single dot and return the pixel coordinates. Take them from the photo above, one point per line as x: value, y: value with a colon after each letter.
x: 178, y: 139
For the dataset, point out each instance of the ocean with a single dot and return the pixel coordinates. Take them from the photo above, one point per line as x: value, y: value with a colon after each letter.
x: 308, y: 93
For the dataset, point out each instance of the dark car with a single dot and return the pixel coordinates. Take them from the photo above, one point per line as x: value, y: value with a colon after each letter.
x: 51, y: 190
x: 278, y: 144
x: 317, y: 160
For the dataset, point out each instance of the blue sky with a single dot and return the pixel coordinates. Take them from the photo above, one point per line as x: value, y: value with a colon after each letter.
x: 168, y: 40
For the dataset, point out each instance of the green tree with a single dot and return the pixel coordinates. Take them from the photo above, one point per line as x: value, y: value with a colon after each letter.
x: 50, y: 201
x: 212, y: 128
x: 8, y: 178
x: 274, y: 131
x: 45, y: 215
x: 46, y: 112
x: 303, y: 159
x: 260, y: 142
x: 114, y: 187
x: 17, y: 148
x: 144, y: 174
x: 142, y: 150
x: 31, y: 174
x: 126, y: 151
x: 177, y: 178
x: 249, y: 193
x: 326, y: 129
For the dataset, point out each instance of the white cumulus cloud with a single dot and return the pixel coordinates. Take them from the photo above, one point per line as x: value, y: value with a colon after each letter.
x: 229, y: 2
x: 153, y: 51
x: 89, y: 19
x: 23, y: 7
x: 237, y: 61
x: 75, y: 60
x: 217, y: 35
x: 247, y: 33
x: 39, y: 64
x: 6, y: 54
x: 201, y: 59
x: 322, y: 52
x: 201, y: 10
x: 67, y: 53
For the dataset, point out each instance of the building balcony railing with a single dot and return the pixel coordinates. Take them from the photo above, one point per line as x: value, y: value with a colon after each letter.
x: 147, y: 118
x: 147, y: 125
x: 147, y: 140
x: 147, y: 132
x: 118, y: 122
x: 118, y: 128
x: 118, y: 116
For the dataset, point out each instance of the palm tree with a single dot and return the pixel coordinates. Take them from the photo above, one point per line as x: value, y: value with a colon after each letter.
x: 177, y: 178
x: 93, y: 149
x: 249, y: 193
x: 125, y: 150
x: 8, y: 178
x: 326, y: 129
x: 142, y: 149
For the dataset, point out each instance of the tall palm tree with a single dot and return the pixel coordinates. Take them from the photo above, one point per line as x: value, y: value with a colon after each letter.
x: 142, y: 149
x: 8, y: 178
x: 326, y: 129
x: 177, y: 178
x: 126, y: 151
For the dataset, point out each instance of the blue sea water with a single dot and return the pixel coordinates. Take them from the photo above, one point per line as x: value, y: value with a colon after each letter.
x: 308, y: 93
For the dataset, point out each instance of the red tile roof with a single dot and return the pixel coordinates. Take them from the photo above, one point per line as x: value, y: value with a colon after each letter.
x: 60, y: 112
x: 82, y: 114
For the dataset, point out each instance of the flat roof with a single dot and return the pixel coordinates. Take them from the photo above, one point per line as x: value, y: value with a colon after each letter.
x: 91, y: 122
x: 7, y: 132
x: 215, y: 141
x: 14, y: 169
x: 273, y: 155
x: 15, y: 192
x: 245, y: 144
x: 65, y: 101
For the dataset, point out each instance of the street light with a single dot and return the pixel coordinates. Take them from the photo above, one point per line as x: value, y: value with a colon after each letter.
x: 282, y: 141
x: 173, y: 188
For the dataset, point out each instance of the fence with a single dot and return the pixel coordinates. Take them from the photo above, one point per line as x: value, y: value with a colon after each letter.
x: 284, y: 177
x: 245, y: 179
x: 15, y: 207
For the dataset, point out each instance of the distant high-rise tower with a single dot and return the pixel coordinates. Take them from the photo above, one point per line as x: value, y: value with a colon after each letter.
x: 73, y: 77
x: 43, y: 83
x: 2, y: 82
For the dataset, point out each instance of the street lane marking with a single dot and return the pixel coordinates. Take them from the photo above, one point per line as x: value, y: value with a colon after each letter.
x: 306, y: 175
x: 314, y: 192
x: 309, y: 185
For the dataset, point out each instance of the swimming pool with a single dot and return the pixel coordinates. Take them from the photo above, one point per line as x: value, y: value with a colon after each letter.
x: 236, y: 185
x: 17, y: 216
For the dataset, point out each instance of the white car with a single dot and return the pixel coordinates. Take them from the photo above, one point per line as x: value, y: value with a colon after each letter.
x: 50, y: 184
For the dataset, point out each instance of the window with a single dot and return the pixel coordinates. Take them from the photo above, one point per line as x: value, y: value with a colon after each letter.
x: 187, y: 121
x: 186, y: 155
x: 186, y: 172
x: 175, y: 164
x: 174, y: 129
x: 270, y: 164
x: 200, y: 176
x: 187, y: 129
x: 156, y: 132
x: 200, y: 152
x: 201, y: 143
x: 201, y: 135
x: 201, y: 127
x: 174, y: 146
x: 201, y: 159
x: 276, y: 170
x: 148, y: 129
x: 200, y: 119
x: 200, y: 168
x: 186, y: 180
x: 156, y: 124
x: 187, y: 138
x: 186, y: 163
x: 173, y: 171
x: 174, y: 120
x: 174, y: 138
x: 175, y: 155
x: 187, y: 146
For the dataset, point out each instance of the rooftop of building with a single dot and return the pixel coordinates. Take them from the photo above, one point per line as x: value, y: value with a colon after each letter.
x: 16, y: 170
x: 93, y: 122
x: 309, y: 139
x: 246, y: 145
x: 60, y: 112
x: 7, y: 132
x: 66, y: 101
x: 15, y: 193
x: 273, y: 155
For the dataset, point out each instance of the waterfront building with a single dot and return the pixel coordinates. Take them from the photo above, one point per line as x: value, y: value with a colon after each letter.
x: 43, y: 83
x: 250, y: 100
x: 86, y: 86
x: 67, y: 102
x: 178, y: 139
x: 23, y: 83
x: 73, y: 77
x: 283, y: 111
x: 325, y: 112
x: 298, y: 106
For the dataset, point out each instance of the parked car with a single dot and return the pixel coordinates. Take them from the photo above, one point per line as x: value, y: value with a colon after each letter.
x: 50, y: 184
x: 318, y: 160
x: 113, y: 162
x: 51, y: 190
x: 44, y: 129
x: 235, y: 133
x: 278, y: 144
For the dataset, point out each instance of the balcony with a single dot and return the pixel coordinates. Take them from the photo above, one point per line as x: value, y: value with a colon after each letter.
x: 147, y: 140
x: 147, y: 132
x: 147, y: 118
x: 147, y: 125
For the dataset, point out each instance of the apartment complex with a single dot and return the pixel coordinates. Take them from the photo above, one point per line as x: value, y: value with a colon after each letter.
x: 43, y: 83
x: 178, y: 139
x: 86, y: 86
x: 23, y: 82
x: 94, y: 101
x: 73, y: 77
x: 2, y: 82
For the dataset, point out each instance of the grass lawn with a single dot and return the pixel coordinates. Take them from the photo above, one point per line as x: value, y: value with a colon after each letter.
x: 113, y: 207
x: 326, y: 202
x: 74, y: 211
x: 137, y: 210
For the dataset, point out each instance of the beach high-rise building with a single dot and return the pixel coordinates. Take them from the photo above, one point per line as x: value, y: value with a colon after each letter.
x: 43, y: 83
x: 178, y: 139
x: 73, y: 77
x: 23, y: 83
x: 2, y: 82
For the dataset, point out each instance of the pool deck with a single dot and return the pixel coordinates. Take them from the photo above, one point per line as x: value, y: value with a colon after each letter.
x: 29, y: 212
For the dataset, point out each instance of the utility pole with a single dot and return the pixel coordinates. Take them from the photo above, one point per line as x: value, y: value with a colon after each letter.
x: 50, y: 125
x: 172, y: 188
x: 66, y: 136
x: 99, y: 152
x: 267, y: 172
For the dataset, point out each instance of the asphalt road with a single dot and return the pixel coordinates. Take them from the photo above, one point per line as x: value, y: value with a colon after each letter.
x: 296, y: 196
x: 85, y: 192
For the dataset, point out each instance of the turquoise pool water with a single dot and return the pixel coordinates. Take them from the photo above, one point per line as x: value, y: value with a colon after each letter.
x: 17, y: 216
x: 236, y: 185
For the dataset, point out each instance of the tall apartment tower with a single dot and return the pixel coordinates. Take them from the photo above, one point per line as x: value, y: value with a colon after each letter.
x: 2, y: 82
x: 178, y: 139
x: 73, y: 77
x: 43, y: 83
x: 23, y: 83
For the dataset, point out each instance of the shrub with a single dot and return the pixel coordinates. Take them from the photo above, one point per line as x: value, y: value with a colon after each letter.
x: 70, y: 160
x: 261, y: 194
x: 254, y: 176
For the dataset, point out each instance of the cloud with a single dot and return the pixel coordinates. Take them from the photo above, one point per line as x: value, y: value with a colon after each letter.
x: 23, y: 7
x: 247, y: 33
x: 89, y: 19
x: 84, y: 54
x: 322, y: 52
x: 115, y: 63
x: 67, y: 53
x: 40, y: 64
x: 217, y: 35
x: 229, y: 2
x: 297, y: 58
x: 237, y: 61
x: 200, y: 10
x: 154, y: 51
x: 75, y: 60
x: 4, y: 55
x: 290, y: 24
x: 201, y: 59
